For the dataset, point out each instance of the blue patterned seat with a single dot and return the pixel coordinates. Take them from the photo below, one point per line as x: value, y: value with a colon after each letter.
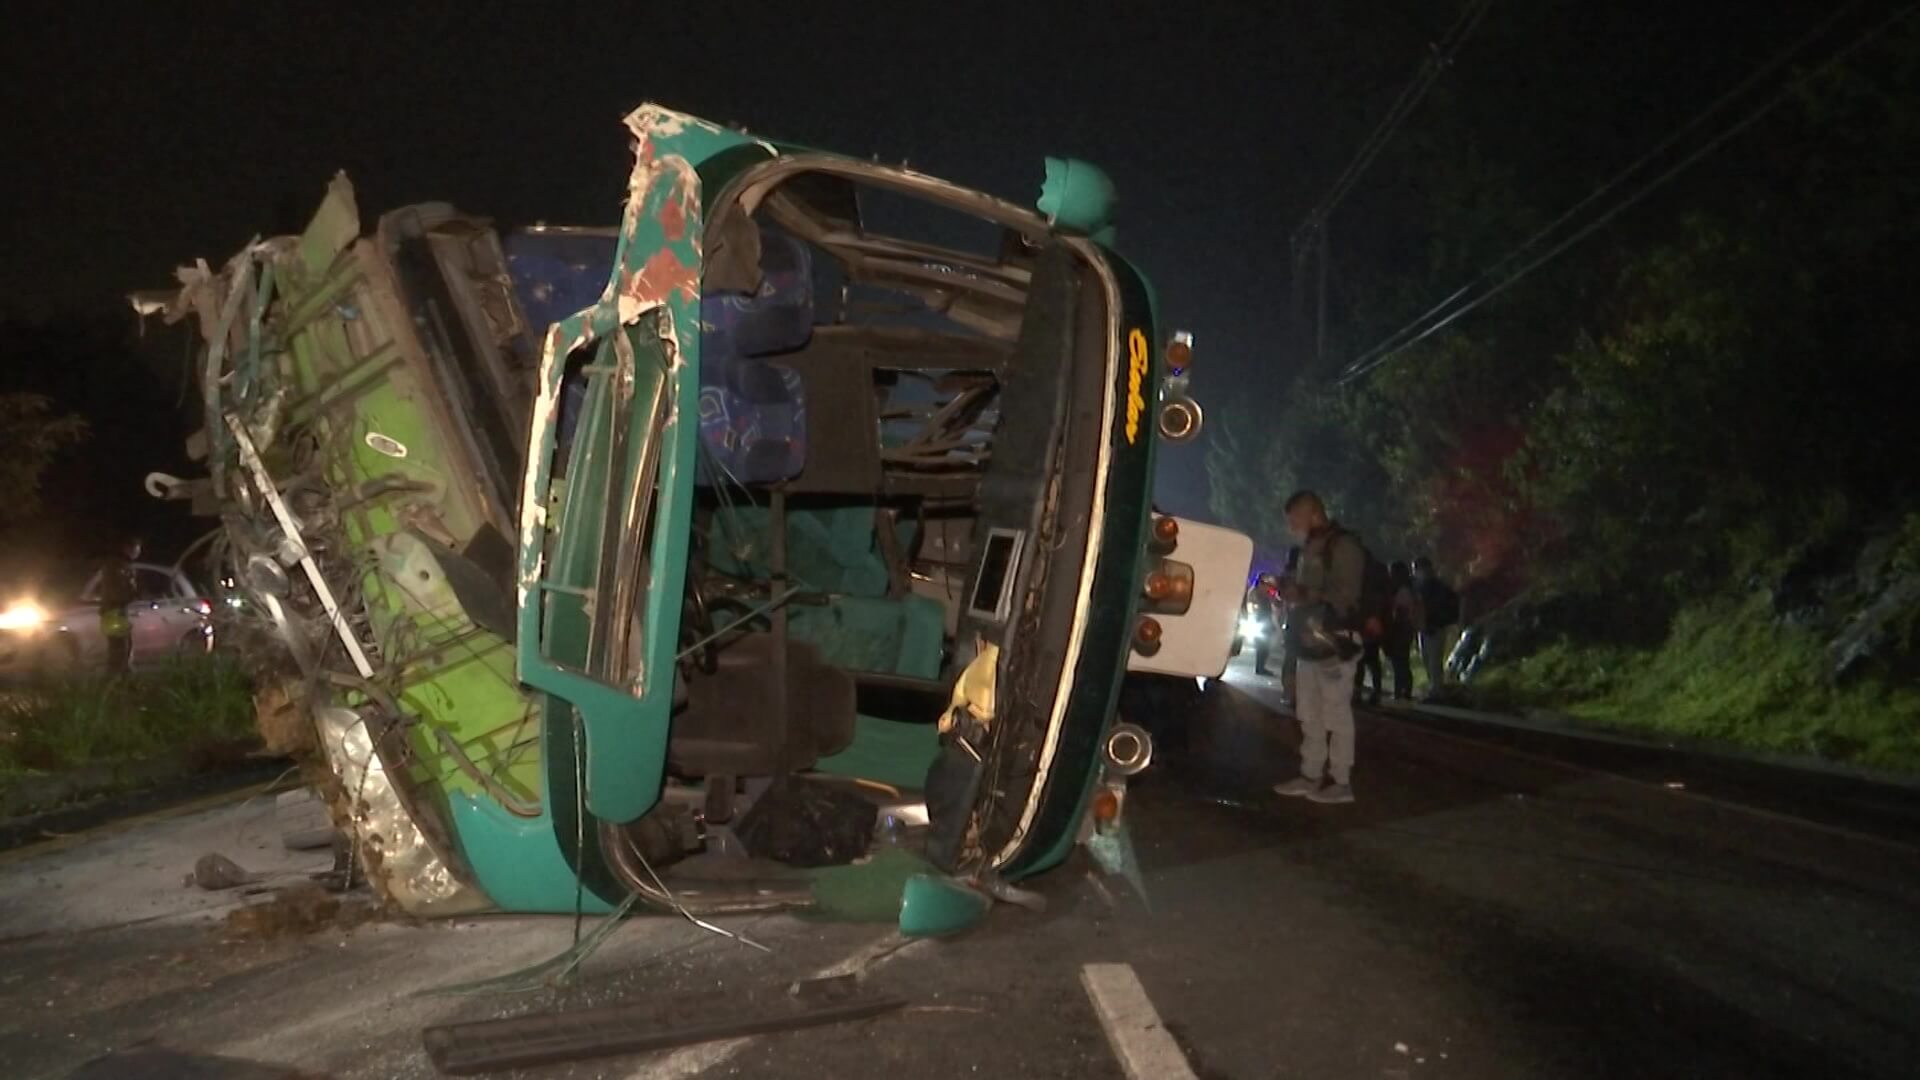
x: 753, y: 412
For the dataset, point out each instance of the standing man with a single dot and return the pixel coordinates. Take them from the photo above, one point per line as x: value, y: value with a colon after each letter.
x: 1409, y: 618
x: 118, y: 590
x: 1442, y: 623
x: 1325, y: 594
x: 1289, y: 650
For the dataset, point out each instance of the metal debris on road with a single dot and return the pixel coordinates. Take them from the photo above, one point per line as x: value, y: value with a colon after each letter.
x: 148, y: 1062
x: 519, y: 1042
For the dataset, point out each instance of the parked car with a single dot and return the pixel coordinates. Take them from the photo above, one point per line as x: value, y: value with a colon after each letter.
x: 39, y: 636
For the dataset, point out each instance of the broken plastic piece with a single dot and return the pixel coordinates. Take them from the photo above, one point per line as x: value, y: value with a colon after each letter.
x: 1008, y: 894
x: 1079, y: 196
x: 934, y: 906
x: 973, y: 690
x: 1113, y: 851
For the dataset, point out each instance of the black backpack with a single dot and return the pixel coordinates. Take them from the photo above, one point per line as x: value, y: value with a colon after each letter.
x: 1442, y: 604
x: 1375, y: 611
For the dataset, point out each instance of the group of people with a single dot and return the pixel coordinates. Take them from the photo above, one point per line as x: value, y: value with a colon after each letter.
x: 1424, y: 612
x: 1334, y: 612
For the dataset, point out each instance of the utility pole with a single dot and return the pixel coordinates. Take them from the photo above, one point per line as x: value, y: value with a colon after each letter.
x: 1310, y: 239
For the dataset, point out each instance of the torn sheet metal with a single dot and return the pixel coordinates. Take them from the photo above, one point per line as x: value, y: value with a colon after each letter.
x: 405, y: 866
x: 311, y: 346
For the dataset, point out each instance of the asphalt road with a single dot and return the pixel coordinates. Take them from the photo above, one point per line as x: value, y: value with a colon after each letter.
x: 1479, y: 912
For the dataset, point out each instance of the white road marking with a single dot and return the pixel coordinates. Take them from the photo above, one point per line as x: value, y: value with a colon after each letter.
x: 1145, y: 1049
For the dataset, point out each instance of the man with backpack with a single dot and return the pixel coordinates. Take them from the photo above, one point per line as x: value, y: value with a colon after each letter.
x: 1334, y: 612
x: 1442, y: 624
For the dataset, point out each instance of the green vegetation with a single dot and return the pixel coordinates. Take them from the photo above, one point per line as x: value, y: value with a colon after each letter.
x: 1728, y: 673
x: 32, y: 435
x: 192, y: 707
x: 1670, y: 470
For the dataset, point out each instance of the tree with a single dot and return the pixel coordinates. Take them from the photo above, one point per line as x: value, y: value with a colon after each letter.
x: 32, y: 435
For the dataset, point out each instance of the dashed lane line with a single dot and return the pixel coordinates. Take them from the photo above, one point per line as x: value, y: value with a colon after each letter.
x: 1142, y: 1043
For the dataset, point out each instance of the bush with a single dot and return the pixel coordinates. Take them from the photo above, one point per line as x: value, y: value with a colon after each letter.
x: 1728, y: 672
x: 192, y: 706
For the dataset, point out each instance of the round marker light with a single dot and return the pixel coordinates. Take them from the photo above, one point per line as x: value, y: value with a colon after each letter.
x: 1147, y: 634
x: 1182, y: 590
x: 1179, y: 420
x: 1179, y: 355
x: 1106, y: 806
x: 1159, y: 587
x: 1129, y: 749
x: 1166, y: 530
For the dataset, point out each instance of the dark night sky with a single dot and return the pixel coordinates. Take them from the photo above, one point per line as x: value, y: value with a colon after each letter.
x: 138, y: 141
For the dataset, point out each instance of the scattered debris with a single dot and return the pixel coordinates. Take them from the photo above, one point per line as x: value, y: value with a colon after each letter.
x: 215, y: 871
x: 1007, y: 894
x: 805, y: 823
x: 148, y: 1062
x: 933, y: 905
x: 283, y: 724
x: 477, y: 1047
x: 1113, y: 851
x: 299, y: 909
x: 308, y: 839
x: 303, y: 820
x: 826, y: 989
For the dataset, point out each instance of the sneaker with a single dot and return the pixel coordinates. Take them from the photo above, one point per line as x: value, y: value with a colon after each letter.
x: 1298, y: 787
x: 1332, y: 793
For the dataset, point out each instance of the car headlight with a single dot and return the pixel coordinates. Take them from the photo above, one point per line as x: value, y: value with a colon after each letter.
x: 23, y: 615
x: 1251, y: 629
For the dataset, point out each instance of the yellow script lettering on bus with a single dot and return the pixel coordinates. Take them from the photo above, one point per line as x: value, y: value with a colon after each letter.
x: 1137, y: 363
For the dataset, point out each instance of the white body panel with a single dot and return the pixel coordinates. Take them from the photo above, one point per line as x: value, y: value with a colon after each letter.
x: 1198, y: 642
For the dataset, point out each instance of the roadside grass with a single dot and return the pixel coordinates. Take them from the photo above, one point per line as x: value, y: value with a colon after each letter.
x: 1728, y: 673
x: 194, y: 706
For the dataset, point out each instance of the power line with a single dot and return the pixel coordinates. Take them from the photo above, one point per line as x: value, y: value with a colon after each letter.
x: 1309, y: 238
x: 1774, y: 64
x: 1399, y: 341
x: 1439, y: 57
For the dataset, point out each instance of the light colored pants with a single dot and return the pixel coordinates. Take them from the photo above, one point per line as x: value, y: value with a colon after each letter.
x: 1324, y: 703
x: 1434, y: 647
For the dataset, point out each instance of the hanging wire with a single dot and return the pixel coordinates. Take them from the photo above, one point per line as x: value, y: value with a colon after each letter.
x: 1440, y: 57
x: 1400, y: 341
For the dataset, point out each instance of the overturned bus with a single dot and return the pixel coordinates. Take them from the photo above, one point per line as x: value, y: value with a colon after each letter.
x: 679, y: 558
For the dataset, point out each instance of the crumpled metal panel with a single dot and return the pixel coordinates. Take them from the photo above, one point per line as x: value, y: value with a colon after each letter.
x: 402, y: 864
x: 657, y: 275
x: 321, y: 392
